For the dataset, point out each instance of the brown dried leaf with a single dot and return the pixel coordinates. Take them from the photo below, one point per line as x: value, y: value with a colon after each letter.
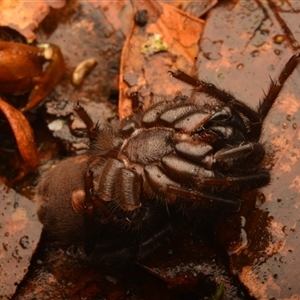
x: 194, y: 8
x: 24, y: 16
x: 20, y: 232
x: 144, y: 65
x: 118, y: 14
x: 23, y: 134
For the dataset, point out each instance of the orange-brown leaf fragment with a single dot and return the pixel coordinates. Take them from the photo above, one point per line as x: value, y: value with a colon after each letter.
x: 24, y: 16
x: 171, y: 36
x: 23, y: 134
x: 20, y: 232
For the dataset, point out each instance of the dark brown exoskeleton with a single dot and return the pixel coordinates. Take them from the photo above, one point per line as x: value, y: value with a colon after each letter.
x: 153, y: 163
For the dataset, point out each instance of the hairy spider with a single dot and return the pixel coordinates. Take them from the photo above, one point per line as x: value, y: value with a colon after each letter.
x: 139, y: 171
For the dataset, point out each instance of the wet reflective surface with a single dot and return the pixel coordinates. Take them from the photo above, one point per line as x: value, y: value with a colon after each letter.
x: 20, y: 232
x: 244, y: 44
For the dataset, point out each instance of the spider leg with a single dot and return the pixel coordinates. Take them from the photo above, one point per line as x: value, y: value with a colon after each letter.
x: 117, y: 192
x: 172, y: 190
x: 204, y: 87
x: 256, y: 180
x: 88, y: 206
x: 230, y: 204
x: 248, y: 155
x: 135, y: 103
x: 219, y: 94
x: 277, y: 85
x: 92, y: 128
x: 155, y: 241
x: 89, y: 214
x: 159, y: 181
x: 184, y: 171
x: 93, y: 201
x: 255, y: 118
x: 118, y: 183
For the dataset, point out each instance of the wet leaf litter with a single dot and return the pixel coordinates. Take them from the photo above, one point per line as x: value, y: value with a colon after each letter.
x: 235, y: 64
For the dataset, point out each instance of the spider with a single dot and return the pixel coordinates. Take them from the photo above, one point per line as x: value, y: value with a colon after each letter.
x: 139, y: 172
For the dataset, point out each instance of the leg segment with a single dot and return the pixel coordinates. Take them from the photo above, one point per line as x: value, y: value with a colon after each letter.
x: 251, y: 181
x: 92, y: 128
x: 219, y: 94
x: 255, y: 118
x: 230, y: 204
x: 115, y: 184
x: 245, y: 156
x: 277, y: 85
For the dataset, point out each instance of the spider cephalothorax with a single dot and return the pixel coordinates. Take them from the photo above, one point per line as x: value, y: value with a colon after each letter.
x: 179, y: 153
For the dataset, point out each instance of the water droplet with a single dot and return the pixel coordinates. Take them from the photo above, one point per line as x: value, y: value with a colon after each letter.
x: 278, y: 39
x: 255, y: 53
x: 277, y: 51
x: 243, y: 221
x: 242, y: 245
x: 6, y: 234
x: 289, y: 117
x: 24, y: 242
x: 284, y: 125
x: 259, y: 199
x: 240, y: 66
x: 294, y: 126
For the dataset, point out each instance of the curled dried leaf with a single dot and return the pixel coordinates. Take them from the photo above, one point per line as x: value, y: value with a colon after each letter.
x: 23, y: 134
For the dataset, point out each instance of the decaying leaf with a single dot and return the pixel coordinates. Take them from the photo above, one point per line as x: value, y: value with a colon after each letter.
x: 20, y: 232
x: 241, y: 47
x: 23, y: 134
x: 168, y: 40
x: 194, y: 8
x: 24, y: 16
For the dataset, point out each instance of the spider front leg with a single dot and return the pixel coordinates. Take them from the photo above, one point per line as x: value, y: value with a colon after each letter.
x: 86, y: 202
x: 251, y: 181
x: 89, y: 214
x: 116, y: 192
x: 246, y: 156
x: 92, y: 128
x: 199, y: 176
x: 205, y: 198
x: 255, y: 118
x: 277, y: 85
x: 219, y: 94
x: 187, y: 173
x: 112, y: 195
